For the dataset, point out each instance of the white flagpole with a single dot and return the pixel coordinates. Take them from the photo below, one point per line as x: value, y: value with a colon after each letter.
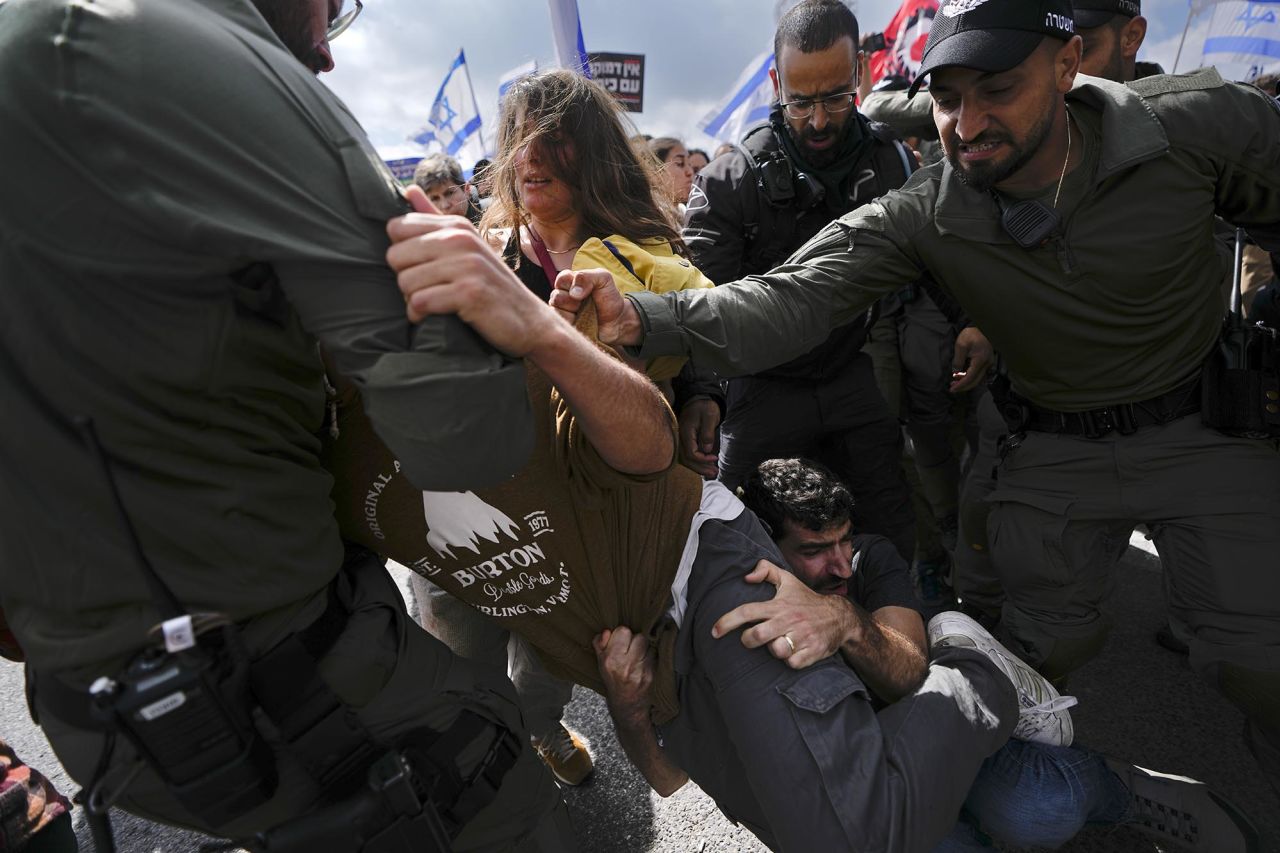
x: 471, y: 86
x: 1191, y: 11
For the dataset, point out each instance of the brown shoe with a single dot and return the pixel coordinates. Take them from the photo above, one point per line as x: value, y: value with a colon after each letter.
x: 565, y: 754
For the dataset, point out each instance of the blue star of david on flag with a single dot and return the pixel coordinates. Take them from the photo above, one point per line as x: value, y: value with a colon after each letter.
x: 1249, y: 30
x: 1251, y: 19
x: 442, y: 114
x: 453, y: 122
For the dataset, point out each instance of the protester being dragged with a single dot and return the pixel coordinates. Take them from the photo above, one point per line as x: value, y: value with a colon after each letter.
x: 1030, y: 793
x: 567, y: 186
x: 440, y: 177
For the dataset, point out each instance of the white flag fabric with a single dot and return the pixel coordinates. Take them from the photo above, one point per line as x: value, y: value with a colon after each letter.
x: 566, y: 32
x: 1198, y: 6
x: 453, y: 125
x: 748, y: 102
x: 509, y: 78
x: 1241, y: 31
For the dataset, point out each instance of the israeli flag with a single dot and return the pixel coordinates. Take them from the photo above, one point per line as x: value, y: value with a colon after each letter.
x: 509, y: 78
x: 1242, y: 31
x: 566, y: 32
x: 453, y: 125
x: 748, y: 103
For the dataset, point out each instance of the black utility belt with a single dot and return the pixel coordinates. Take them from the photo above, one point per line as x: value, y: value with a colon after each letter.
x: 1124, y: 418
x: 189, y: 716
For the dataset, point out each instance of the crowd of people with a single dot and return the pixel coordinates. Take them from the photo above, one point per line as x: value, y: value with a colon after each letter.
x: 815, y: 457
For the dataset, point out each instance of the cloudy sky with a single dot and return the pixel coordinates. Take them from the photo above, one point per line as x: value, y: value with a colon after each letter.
x: 391, y: 62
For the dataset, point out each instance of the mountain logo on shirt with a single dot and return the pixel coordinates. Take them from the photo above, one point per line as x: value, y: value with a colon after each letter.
x: 461, y: 520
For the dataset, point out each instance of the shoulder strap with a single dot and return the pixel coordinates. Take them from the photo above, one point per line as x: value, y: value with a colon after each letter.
x: 766, y: 242
x: 544, y: 258
x: 622, y: 259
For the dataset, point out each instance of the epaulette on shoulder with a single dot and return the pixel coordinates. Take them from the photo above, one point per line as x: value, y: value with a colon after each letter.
x: 1164, y: 84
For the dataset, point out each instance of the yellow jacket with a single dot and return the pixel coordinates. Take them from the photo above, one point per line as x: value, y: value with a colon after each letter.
x: 650, y: 265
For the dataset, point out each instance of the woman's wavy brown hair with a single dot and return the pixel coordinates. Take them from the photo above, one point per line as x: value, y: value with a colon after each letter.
x: 581, y: 135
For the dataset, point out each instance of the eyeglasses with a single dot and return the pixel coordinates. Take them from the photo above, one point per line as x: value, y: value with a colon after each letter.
x: 804, y: 107
x: 340, y: 23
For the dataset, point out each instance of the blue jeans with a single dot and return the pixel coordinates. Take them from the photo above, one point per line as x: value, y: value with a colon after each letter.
x: 1034, y: 795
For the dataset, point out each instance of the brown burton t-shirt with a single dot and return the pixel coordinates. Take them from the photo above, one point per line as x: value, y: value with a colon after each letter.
x: 565, y: 549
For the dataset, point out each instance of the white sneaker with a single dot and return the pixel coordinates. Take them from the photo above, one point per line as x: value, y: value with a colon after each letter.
x: 1043, y: 715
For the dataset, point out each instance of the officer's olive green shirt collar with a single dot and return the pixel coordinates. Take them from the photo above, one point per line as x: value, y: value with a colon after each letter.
x: 1131, y: 134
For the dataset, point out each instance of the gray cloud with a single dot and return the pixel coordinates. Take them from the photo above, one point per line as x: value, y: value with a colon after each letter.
x: 390, y: 64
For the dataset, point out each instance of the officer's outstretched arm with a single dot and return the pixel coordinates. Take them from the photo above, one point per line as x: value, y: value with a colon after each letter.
x: 750, y: 325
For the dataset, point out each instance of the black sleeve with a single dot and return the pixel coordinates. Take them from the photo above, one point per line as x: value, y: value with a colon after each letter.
x: 696, y: 383
x: 716, y: 218
x: 262, y: 165
x: 882, y: 577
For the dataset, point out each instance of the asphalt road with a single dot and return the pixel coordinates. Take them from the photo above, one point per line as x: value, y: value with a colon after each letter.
x: 1137, y: 701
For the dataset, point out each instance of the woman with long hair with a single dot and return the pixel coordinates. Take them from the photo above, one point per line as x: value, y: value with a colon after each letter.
x: 566, y: 172
x: 569, y: 191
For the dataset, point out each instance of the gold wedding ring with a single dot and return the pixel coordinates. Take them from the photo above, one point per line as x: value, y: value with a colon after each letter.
x: 790, y: 643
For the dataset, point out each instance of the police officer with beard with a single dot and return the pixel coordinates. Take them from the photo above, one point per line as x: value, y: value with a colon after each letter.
x: 815, y: 160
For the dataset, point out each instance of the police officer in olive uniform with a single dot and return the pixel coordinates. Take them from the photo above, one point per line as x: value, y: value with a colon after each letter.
x: 1112, y: 32
x: 1073, y: 220
x: 185, y: 211
x: 815, y: 160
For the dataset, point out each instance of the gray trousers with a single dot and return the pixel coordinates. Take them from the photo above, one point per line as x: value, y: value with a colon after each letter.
x: 398, y: 678
x: 483, y: 641
x: 802, y: 758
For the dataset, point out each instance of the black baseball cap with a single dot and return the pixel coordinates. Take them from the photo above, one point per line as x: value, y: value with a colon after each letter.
x: 1095, y: 13
x: 992, y: 35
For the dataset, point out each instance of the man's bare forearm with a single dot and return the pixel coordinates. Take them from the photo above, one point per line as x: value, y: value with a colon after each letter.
x: 635, y: 733
x: 620, y: 411
x: 890, y: 663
